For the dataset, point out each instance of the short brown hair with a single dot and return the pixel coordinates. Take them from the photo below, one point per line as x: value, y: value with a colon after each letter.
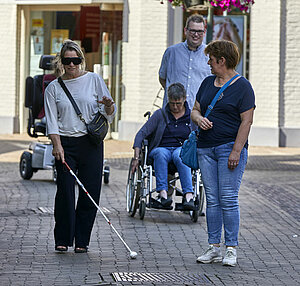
x: 197, y: 18
x: 226, y: 49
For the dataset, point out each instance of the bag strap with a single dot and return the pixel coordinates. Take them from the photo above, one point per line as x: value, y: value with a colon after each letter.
x: 67, y: 92
x: 212, y: 104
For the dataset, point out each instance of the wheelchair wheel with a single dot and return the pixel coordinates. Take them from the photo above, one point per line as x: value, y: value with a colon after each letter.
x: 194, y: 215
x: 25, y: 166
x: 142, y: 209
x: 106, y: 174
x: 198, y: 204
x: 132, y: 191
x: 199, y: 200
x: 201, y: 197
x: 146, y: 191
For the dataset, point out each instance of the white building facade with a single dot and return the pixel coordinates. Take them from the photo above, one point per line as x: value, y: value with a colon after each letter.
x: 148, y: 29
x: 274, y: 68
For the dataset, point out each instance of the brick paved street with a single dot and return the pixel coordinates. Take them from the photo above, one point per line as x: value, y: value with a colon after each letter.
x: 167, y: 243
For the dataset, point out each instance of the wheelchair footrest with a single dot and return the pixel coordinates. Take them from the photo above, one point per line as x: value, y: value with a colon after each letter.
x: 180, y: 207
x: 157, y: 205
x: 178, y: 193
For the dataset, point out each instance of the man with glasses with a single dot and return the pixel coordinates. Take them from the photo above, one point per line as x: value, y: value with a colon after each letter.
x: 186, y: 62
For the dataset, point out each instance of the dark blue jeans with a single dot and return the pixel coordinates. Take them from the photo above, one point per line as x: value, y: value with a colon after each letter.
x: 221, y: 188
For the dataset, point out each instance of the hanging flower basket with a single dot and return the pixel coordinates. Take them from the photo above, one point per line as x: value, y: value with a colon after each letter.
x: 196, y: 4
x: 243, y: 5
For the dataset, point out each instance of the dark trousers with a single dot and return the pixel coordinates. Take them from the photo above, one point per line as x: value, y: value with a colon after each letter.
x: 86, y: 160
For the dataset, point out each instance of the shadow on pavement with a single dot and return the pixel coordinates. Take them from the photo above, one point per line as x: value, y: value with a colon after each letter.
x: 12, y: 145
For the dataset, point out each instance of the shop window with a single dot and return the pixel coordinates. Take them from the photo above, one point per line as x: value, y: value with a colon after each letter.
x: 98, y: 32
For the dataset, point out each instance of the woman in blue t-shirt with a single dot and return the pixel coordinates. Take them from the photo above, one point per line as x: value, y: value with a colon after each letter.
x: 222, y: 147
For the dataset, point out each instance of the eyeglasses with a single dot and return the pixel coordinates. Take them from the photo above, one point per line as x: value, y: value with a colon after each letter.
x: 177, y: 103
x: 75, y: 60
x: 194, y: 32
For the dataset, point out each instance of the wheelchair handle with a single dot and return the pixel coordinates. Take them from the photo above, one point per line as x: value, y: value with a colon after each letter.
x: 148, y: 113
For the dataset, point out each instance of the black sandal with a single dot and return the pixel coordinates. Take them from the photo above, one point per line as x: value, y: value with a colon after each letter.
x: 61, y: 248
x: 80, y: 249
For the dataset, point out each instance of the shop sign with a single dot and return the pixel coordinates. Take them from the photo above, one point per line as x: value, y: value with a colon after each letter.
x: 37, y: 36
x: 57, y: 38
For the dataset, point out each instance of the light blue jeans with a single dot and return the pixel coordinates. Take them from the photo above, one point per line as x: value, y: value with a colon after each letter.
x: 162, y: 156
x: 221, y: 188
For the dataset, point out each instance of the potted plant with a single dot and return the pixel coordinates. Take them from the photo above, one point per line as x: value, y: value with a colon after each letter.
x: 189, y: 3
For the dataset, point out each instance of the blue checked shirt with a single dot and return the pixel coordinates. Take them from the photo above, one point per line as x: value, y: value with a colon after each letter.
x: 179, y: 64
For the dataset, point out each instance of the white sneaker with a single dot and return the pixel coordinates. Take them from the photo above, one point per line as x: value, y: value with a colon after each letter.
x: 212, y: 254
x: 230, y: 257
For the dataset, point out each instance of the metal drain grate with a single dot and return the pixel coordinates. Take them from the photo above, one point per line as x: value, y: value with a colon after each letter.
x: 159, y: 277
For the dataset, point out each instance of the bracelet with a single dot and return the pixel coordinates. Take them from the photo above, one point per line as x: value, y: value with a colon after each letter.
x: 135, y: 158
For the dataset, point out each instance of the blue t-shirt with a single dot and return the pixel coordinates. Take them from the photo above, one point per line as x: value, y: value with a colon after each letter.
x: 225, y: 116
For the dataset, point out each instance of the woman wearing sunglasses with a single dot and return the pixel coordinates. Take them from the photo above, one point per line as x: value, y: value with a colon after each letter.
x: 72, y: 145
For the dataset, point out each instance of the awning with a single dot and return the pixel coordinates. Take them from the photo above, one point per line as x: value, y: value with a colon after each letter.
x: 64, y: 2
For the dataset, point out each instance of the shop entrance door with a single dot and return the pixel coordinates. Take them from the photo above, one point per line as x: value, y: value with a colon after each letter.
x: 97, y: 31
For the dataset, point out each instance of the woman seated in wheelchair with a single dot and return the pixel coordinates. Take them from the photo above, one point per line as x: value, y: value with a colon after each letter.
x: 166, y: 131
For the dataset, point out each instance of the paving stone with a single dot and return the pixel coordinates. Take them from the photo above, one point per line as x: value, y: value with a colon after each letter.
x: 166, y: 242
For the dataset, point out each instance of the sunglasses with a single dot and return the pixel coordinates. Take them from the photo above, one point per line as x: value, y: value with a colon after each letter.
x: 67, y: 61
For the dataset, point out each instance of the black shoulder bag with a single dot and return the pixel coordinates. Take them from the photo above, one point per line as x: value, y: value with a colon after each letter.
x: 97, y: 128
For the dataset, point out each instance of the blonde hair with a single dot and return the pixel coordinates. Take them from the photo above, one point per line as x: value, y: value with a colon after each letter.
x: 58, y: 69
x: 69, y: 45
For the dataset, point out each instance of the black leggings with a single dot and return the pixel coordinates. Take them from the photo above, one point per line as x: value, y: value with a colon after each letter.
x: 86, y: 160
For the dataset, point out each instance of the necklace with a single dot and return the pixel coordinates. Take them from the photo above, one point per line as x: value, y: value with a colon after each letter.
x: 220, y: 82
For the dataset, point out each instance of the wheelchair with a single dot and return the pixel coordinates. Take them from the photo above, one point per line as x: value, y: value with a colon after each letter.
x: 140, y: 191
x: 39, y: 156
